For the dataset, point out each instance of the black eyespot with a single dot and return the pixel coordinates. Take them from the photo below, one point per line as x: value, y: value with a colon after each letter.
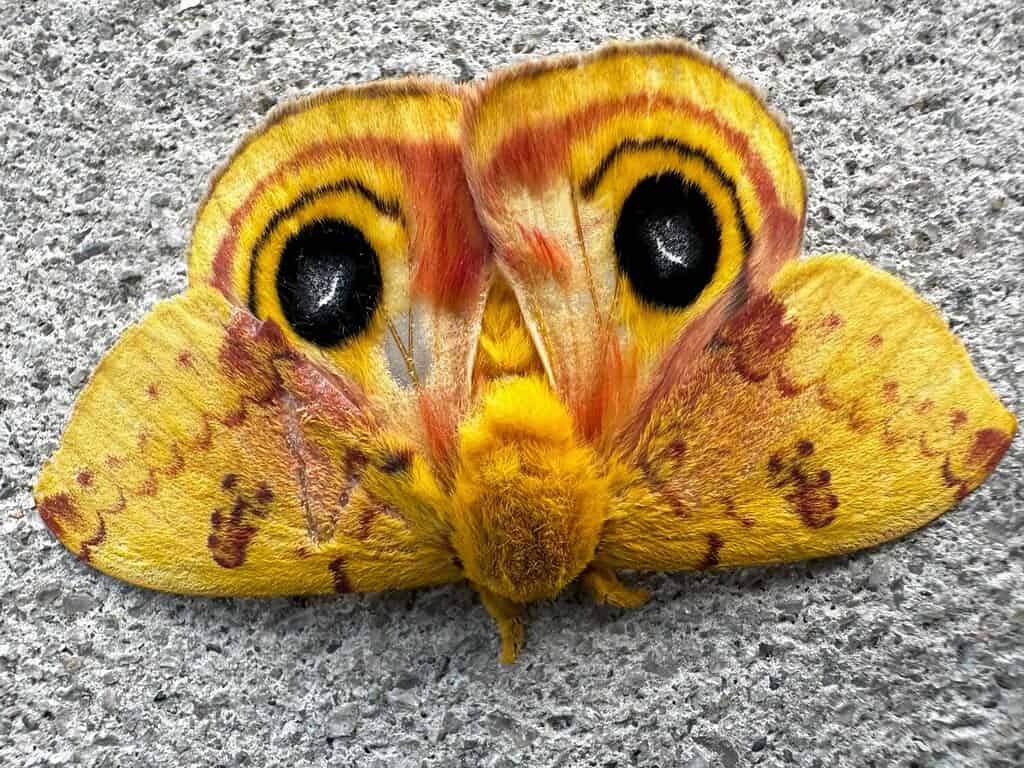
x: 328, y: 282
x: 667, y: 240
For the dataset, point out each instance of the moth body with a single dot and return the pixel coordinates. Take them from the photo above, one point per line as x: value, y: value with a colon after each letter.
x: 529, y: 498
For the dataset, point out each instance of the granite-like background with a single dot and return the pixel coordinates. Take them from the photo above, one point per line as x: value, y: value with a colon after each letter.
x: 909, y: 120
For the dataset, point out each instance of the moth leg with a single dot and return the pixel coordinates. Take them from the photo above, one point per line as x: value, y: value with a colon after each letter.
x: 605, y: 588
x: 509, y: 618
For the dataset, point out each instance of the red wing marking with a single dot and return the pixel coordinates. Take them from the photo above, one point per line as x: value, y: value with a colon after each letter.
x: 341, y: 582
x: 118, y: 506
x: 832, y: 321
x: 711, y: 558
x: 231, y: 535
x: 811, y: 495
x: 538, y: 256
x: 57, y: 511
x: 93, y: 541
x: 397, y: 461
x: 988, y: 448
x: 952, y: 481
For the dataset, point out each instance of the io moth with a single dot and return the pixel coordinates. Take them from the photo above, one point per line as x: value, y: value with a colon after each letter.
x: 520, y: 332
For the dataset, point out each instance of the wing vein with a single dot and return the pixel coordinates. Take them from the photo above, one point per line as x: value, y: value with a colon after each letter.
x: 293, y: 438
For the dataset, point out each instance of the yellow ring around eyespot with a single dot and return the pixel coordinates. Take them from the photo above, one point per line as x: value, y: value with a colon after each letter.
x: 665, y: 126
x: 652, y: 327
x: 383, y: 179
x: 361, y: 355
x: 556, y: 90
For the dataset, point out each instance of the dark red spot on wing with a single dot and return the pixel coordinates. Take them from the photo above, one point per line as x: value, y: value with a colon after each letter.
x: 185, y: 359
x: 231, y: 533
x: 675, y: 450
x: 113, y: 461
x: 238, y: 510
x: 352, y: 470
x: 832, y: 321
x: 229, y: 539
x: 153, y: 391
x: 149, y: 486
x: 890, y: 390
x: 988, y: 448
x: 118, y: 506
x: 757, y: 338
x: 85, y: 553
x: 397, y: 461
x: 711, y: 558
x: 875, y: 341
x: 815, y: 504
x: 810, y: 493
x: 177, y: 466
x: 84, y: 478
x: 925, y: 405
x: 263, y: 494
x: 953, y: 481
x: 59, y: 511
x: 60, y: 514
x: 957, y: 418
x: 730, y: 511
x: 787, y: 387
x: 341, y: 582
x: 235, y: 418
x: 924, y: 448
x: 366, y: 520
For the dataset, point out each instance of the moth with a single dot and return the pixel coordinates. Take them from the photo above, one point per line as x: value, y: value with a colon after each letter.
x: 519, y: 332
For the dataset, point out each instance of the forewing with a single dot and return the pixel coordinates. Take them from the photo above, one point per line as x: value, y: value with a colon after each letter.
x: 382, y: 160
x: 834, y: 412
x: 207, y: 455
x: 554, y: 152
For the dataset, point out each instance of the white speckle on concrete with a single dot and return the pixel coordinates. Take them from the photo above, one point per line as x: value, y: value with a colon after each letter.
x: 909, y: 120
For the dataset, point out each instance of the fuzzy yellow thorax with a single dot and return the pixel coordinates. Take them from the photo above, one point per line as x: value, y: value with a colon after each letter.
x: 529, y: 500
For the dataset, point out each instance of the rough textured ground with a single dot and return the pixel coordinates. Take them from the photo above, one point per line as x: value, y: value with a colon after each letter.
x: 908, y: 118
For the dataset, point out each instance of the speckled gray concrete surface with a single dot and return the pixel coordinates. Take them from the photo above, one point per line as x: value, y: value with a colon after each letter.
x: 909, y: 119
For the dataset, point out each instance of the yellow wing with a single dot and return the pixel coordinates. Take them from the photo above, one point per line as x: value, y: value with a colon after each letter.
x: 599, y: 142
x: 358, y: 184
x: 832, y: 413
x: 207, y: 455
